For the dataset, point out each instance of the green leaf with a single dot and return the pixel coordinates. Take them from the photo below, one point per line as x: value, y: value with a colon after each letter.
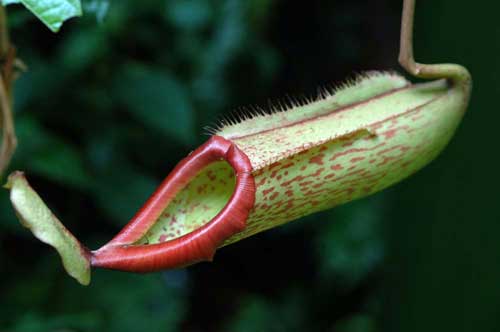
x: 51, y: 12
x: 50, y: 155
x: 36, y: 216
x: 158, y: 100
x: 82, y: 49
x: 121, y: 204
x: 188, y: 14
x: 8, y: 2
x: 98, y: 8
x: 352, y: 247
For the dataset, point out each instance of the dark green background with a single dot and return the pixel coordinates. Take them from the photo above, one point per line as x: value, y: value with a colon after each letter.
x: 113, y: 101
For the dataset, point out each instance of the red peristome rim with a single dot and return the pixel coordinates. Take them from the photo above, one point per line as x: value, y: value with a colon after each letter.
x: 199, y: 245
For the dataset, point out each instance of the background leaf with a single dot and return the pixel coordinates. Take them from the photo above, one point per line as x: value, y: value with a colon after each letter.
x: 99, y: 8
x: 51, y: 12
x: 50, y: 156
x: 156, y: 99
x: 8, y: 2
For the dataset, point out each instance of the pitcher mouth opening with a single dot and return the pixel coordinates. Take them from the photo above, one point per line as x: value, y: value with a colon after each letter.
x: 195, y: 205
x: 206, y: 199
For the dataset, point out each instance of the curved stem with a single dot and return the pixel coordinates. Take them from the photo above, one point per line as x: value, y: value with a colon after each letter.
x: 455, y: 73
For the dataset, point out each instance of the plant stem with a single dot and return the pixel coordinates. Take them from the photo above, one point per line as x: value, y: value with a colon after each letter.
x: 7, y: 56
x: 4, y: 34
x: 455, y: 73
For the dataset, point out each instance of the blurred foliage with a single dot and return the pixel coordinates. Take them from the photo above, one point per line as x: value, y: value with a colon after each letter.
x: 350, y: 248
x: 114, y: 100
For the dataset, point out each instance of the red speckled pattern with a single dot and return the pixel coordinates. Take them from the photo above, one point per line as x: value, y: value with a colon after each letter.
x: 351, y: 166
x: 195, y: 205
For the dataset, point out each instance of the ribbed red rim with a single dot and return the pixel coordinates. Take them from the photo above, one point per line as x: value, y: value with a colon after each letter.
x: 199, y: 245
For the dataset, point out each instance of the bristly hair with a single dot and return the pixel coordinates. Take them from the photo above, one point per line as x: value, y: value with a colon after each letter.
x: 254, y: 118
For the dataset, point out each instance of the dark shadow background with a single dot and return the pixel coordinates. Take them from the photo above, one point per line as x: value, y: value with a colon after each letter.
x: 113, y: 101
